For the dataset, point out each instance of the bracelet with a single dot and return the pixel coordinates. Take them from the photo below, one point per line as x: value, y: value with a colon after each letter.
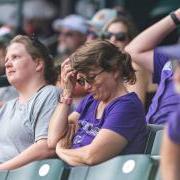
x: 64, y: 100
x: 174, y: 18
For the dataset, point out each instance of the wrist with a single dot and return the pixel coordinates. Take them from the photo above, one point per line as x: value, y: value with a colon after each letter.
x: 65, y: 100
x: 175, y: 18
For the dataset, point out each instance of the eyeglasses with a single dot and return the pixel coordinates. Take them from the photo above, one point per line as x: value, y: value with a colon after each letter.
x: 90, y: 80
x: 66, y: 34
x: 121, y: 36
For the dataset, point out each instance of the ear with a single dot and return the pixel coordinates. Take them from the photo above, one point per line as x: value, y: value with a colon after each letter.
x: 39, y: 64
x: 116, y: 74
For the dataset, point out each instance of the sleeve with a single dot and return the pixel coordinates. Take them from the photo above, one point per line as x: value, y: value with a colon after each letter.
x: 174, y: 126
x: 126, y: 119
x: 43, y: 109
x: 160, y: 60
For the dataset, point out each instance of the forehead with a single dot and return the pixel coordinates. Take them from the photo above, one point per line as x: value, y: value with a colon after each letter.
x: 16, y: 48
x: 117, y: 27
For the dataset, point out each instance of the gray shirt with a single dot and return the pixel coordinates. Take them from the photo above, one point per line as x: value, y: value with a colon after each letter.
x: 21, y: 125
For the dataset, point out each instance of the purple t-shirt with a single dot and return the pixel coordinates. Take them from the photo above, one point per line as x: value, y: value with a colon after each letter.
x: 124, y: 115
x: 174, y: 126
x: 165, y: 99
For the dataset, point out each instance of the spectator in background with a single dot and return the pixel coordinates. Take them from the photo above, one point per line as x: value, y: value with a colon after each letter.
x: 98, y: 21
x: 143, y: 50
x: 7, y: 92
x: 24, y: 120
x: 72, y: 34
x: 170, y: 149
x: 109, y: 115
x: 120, y: 31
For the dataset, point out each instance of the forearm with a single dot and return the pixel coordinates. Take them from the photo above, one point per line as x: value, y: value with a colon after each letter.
x: 58, y: 124
x: 151, y: 37
x: 35, y: 152
x: 73, y: 157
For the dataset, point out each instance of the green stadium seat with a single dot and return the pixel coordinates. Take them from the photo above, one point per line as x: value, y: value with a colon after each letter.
x: 152, y: 130
x: 49, y: 169
x: 3, y: 175
x: 127, y: 167
x: 157, y: 143
x: 78, y: 173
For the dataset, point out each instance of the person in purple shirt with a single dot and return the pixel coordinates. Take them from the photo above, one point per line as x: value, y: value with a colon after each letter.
x: 170, y: 151
x: 110, y: 120
x: 144, y: 52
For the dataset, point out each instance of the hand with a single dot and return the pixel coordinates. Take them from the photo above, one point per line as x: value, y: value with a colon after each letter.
x: 68, y: 78
x: 177, y: 12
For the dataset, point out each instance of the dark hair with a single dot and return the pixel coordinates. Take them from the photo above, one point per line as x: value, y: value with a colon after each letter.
x: 105, y: 55
x: 131, y: 28
x: 37, y: 50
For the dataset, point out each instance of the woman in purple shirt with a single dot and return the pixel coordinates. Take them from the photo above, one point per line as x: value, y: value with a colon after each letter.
x: 110, y: 120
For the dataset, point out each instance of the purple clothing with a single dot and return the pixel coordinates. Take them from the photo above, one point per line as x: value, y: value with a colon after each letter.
x: 174, y: 126
x: 165, y: 99
x: 124, y: 115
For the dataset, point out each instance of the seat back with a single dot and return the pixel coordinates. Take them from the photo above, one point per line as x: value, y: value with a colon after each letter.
x: 44, y: 169
x: 3, y: 175
x: 125, y: 167
x: 157, y: 143
x: 78, y: 173
x: 152, y: 130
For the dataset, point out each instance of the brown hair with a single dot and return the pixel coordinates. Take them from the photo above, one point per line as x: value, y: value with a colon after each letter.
x: 105, y: 55
x: 131, y: 28
x: 37, y: 50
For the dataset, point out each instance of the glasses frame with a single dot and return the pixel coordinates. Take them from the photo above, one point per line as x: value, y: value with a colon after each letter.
x: 120, y: 36
x: 90, y: 80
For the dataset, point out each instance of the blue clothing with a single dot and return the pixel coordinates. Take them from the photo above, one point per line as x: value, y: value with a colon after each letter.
x: 123, y: 115
x: 165, y: 99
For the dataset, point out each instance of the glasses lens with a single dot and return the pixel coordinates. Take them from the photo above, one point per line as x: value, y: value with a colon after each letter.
x: 67, y: 34
x: 121, y: 36
x: 81, y: 81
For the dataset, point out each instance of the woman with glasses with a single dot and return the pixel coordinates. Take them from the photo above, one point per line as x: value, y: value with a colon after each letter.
x: 109, y: 121
x: 24, y: 120
x: 120, y: 31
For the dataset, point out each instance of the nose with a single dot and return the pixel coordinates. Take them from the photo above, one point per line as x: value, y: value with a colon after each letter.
x: 8, y: 64
x: 112, y: 39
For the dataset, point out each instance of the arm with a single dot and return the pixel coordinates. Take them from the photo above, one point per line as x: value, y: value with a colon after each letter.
x: 140, y: 87
x: 141, y: 48
x: 37, y: 151
x: 106, y: 145
x: 59, y: 122
x: 170, y: 161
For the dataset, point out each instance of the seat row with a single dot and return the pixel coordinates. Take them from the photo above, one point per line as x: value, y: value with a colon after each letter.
x: 124, y: 167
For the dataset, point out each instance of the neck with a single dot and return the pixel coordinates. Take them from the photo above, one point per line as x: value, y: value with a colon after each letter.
x: 118, y: 91
x: 26, y: 91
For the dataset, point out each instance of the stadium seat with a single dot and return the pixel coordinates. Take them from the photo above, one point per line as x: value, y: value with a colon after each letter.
x: 157, y: 143
x: 125, y: 167
x: 3, y: 175
x: 152, y: 130
x: 78, y: 173
x: 49, y: 169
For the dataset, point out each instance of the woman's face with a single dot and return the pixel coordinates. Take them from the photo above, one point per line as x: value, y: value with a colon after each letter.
x: 99, y: 83
x: 116, y: 32
x: 20, y: 67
